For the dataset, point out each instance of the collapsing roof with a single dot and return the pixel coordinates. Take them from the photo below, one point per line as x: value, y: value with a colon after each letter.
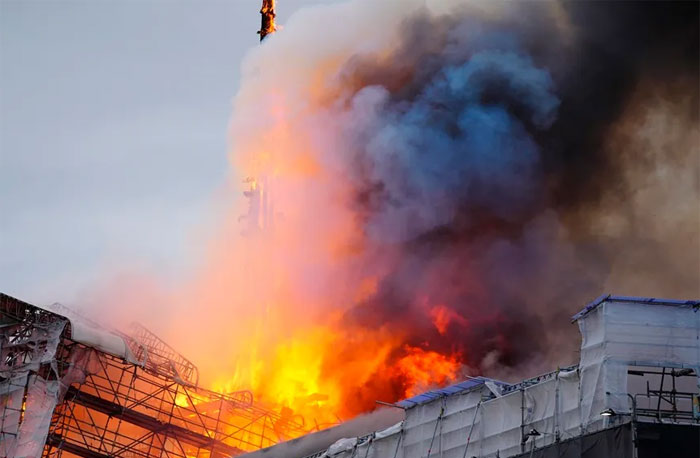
x: 640, y: 360
x: 69, y: 386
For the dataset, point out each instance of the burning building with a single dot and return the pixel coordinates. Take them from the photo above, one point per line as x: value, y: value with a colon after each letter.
x: 69, y: 387
x: 437, y: 185
x: 430, y: 190
x: 634, y: 393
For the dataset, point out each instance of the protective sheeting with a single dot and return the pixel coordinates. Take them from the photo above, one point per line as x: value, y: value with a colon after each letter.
x: 568, y: 419
x: 479, y: 423
x: 86, y: 333
x: 42, y: 397
x: 387, y: 421
x: 535, y: 412
x: 466, y: 385
x: 341, y: 446
x: 91, y: 334
x: 382, y: 444
x: 619, y: 333
x: 27, y: 401
x: 11, y: 398
x: 560, y: 410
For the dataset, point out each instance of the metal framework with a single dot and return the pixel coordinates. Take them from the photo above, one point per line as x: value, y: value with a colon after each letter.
x: 70, y: 399
x: 665, y: 403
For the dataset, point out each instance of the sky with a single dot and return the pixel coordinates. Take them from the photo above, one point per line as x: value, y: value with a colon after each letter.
x: 113, y: 150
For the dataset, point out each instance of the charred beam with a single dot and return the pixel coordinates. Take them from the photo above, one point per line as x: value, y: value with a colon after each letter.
x: 267, y: 24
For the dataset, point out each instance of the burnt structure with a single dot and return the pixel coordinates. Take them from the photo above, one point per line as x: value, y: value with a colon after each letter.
x: 71, y: 388
x: 267, y: 19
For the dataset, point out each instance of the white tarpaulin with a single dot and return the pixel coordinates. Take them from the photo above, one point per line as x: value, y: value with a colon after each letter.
x: 620, y: 333
x: 24, y: 427
x: 27, y: 400
x: 100, y: 339
x: 11, y: 396
x: 42, y: 397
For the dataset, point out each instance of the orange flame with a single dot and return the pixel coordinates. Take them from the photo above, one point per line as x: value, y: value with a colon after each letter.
x: 426, y: 369
x: 442, y: 316
x: 271, y: 305
x: 268, y: 19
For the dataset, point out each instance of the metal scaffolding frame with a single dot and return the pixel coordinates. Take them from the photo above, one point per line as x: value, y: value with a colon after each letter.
x: 106, y: 406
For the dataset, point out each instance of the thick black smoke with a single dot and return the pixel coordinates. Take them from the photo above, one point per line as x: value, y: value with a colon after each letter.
x: 483, y: 149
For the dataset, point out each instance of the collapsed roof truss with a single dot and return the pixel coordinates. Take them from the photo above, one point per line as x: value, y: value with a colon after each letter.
x: 61, y: 397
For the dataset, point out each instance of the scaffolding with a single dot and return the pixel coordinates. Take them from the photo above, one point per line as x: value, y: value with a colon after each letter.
x: 61, y: 396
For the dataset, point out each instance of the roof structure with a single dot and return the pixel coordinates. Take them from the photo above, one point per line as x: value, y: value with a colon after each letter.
x: 633, y: 300
x: 69, y: 387
x: 457, y: 388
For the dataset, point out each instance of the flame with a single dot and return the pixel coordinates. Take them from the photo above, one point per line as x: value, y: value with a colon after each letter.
x: 296, y: 382
x: 189, y: 399
x: 304, y: 308
x: 307, y: 377
x: 284, y: 294
x: 442, y: 316
x: 426, y: 369
x: 283, y: 311
x: 181, y: 400
x: 267, y: 12
x: 317, y: 376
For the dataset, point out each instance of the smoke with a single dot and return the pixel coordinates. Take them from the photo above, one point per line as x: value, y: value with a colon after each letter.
x: 451, y: 182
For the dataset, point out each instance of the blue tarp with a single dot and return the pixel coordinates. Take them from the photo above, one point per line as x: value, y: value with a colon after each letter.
x: 447, y: 391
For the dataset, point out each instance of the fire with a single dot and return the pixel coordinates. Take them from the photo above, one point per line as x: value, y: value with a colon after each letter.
x: 297, y: 382
x: 181, y: 400
x: 397, y: 210
x: 268, y: 18
x: 329, y: 372
x: 294, y: 337
x: 443, y: 316
x: 295, y: 301
x: 189, y: 398
x: 426, y: 369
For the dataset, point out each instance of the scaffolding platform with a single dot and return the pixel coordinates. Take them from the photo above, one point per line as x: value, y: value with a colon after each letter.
x: 71, y: 388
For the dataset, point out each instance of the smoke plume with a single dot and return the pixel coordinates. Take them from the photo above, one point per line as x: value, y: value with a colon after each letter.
x: 448, y: 183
